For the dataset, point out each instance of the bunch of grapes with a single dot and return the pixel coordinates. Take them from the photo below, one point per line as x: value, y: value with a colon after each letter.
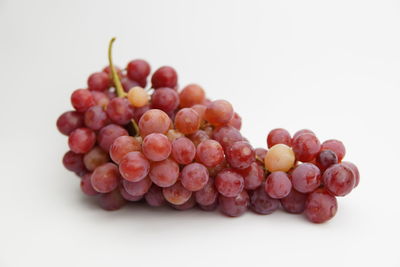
x: 174, y: 147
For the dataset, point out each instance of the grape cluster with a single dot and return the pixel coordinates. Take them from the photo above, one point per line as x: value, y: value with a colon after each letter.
x: 174, y: 147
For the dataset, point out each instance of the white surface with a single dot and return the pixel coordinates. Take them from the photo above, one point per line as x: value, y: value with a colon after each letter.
x: 333, y: 67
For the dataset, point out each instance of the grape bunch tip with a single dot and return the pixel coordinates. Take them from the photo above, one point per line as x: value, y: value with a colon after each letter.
x: 135, y: 139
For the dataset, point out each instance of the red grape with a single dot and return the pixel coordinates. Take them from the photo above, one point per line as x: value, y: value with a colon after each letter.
x: 138, y: 70
x: 208, y: 194
x: 260, y: 154
x: 253, y: 176
x: 278, y: 185
x: 82, y: 99
x: 128, y: 84
x: 154, y: 197
x: 154, y: 121
x: 226, y: 136
x: 190, y: 203
x: 164, y: 173
x: 279, y: 136
x: 201, y: 110
x: 165, y: 99
x: 134, y: 166
x: 191, y: 95
x: 234, y: 206
x: 306, y: 177
x: 219, y: 112
x: 355, y: 171
x: 295, y: 202
x: 137, y: 188
x: 229, y: 183
x: 111, y: 201
x: 198, y: 137
x: 320, y: 206
x: 183, y: 150
x: 298, y: 133
x: 138, y: 112
x: 210, y: 153
x: 105, y: 178
x: 240, y: 155
x: 100, y: 98
x: 74, y: 162
x: 98, y: 81
x: 120, y: 111
x: 96, y: 118
x: 108, y: 134
x: 123, y: 145
x: 164, y: 77
x: 210, y: 207
x: 95, y: 158
x: 306, y: 147
x: 176, y: 194
x: 69, y: 121
x: 335, y: 146
x: 339, y: 179
x: 261, y: 203
x: 86, y: 185
x: 81, y: 140
x: 156, y: 147
x: 236, y: 121
x: 125, y: 195
x: 187, y: 121
x: 325, y: 159
x: 194, y: 176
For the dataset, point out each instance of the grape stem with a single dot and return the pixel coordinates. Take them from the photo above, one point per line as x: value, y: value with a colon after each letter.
x: 117, y: 82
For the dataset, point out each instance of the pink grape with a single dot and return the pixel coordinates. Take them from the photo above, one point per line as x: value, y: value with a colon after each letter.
x: 111, y: 201
x: 164, y: 173
x: 198, y: 137
x: 123, y: 145
x: 306, y: 177
x: 86, y: 185
x: 194, y: 176
x: 138, y: 70
x: 69, y: 121
x: 100, y: 98
x: 227, y: 136
x: 210, y: 153
x: 108, y: 134
x: 96, y: 118
x: 306, y: 147
x: 137, y: 188
x: 176, y: 194
x: 191, y: 95
x: 355, y: 171
x: 278, y: 185
x: 164, y: 77
x: 128, y: 84
x: 210, y: 207
x: 253, y: 176
x: 74, y: 162
x: 156, y: 147
x: 339, y: 179
x: 154, y: 197
x: 234, y: 206
x: 81, y: 140
x: 303, y: 131
x: 208, y: 194
x: 320, y: 206
x: 95, y: 158
x: 138, y: 112
x: 105, y: 178
x: 120, y: 111
x: 240, y: 155
x: 279, y: 136
x: 165, y: 99
x: 295, y: 202
x: 134, y: 166
x: 183, y: 150
x: 236, y: 121
x: 154, y: 121
x: 335, y: 146
x: 82, y: 100
x: 261, y: 203
x: 98, y: 81
x: 219, y: 112
x: 325, y: 159
x: 125, y: 195
x: 229, y: 183
x: 191, y: 203
x: 187, y: 121
x: 201, y: 110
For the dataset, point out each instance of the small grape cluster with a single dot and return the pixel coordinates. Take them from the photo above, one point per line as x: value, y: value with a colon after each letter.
x: 175, y: 147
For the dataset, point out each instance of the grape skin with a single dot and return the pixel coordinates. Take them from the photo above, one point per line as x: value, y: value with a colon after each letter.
x: 164, y: 173
x: 154, y: 197
x: 69, y: 121
x: 111, y: 201
x: 279, y: 136
x: 81, y: 140
x: 108, y: 134
x: 219, y: 112
x: 74, y: 162
x: 306, y: 177
x: 96, y: 118
x: 229, y: 183
x: 95, y: 158
x: 137, y: 189
x: 335, y: 146
x: 134, y: 166
x: 320, y: 206
x: 123, y: 145
x: 278, y: 185
x: 156, y: 147
x: 194, y: 176
x: 240, y: 155
x: 295, y: 202
x: 339, y: 179
x: 261, y: 203
x: 191, y: 95
x: 183, y: 150
x: 208, y: 194
x: 154, y: 121
x: 234, y: 206
x: 187, y: 121
x: 210, y: 153
x: 165, y: 99
x: 105, y: 178
x: 82, y: 100
x: 176, y: 194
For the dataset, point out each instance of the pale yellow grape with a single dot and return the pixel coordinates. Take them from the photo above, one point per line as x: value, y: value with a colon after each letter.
x: 138, y: 97
x: 280, y: 157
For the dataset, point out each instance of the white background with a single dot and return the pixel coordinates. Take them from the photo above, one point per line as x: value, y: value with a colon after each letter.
x: 331, y: 66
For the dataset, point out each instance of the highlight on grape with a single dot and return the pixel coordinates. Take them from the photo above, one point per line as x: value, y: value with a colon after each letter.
x: 136, y: 138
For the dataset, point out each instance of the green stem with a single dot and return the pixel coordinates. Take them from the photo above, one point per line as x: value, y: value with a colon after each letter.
x: 117, y: 82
